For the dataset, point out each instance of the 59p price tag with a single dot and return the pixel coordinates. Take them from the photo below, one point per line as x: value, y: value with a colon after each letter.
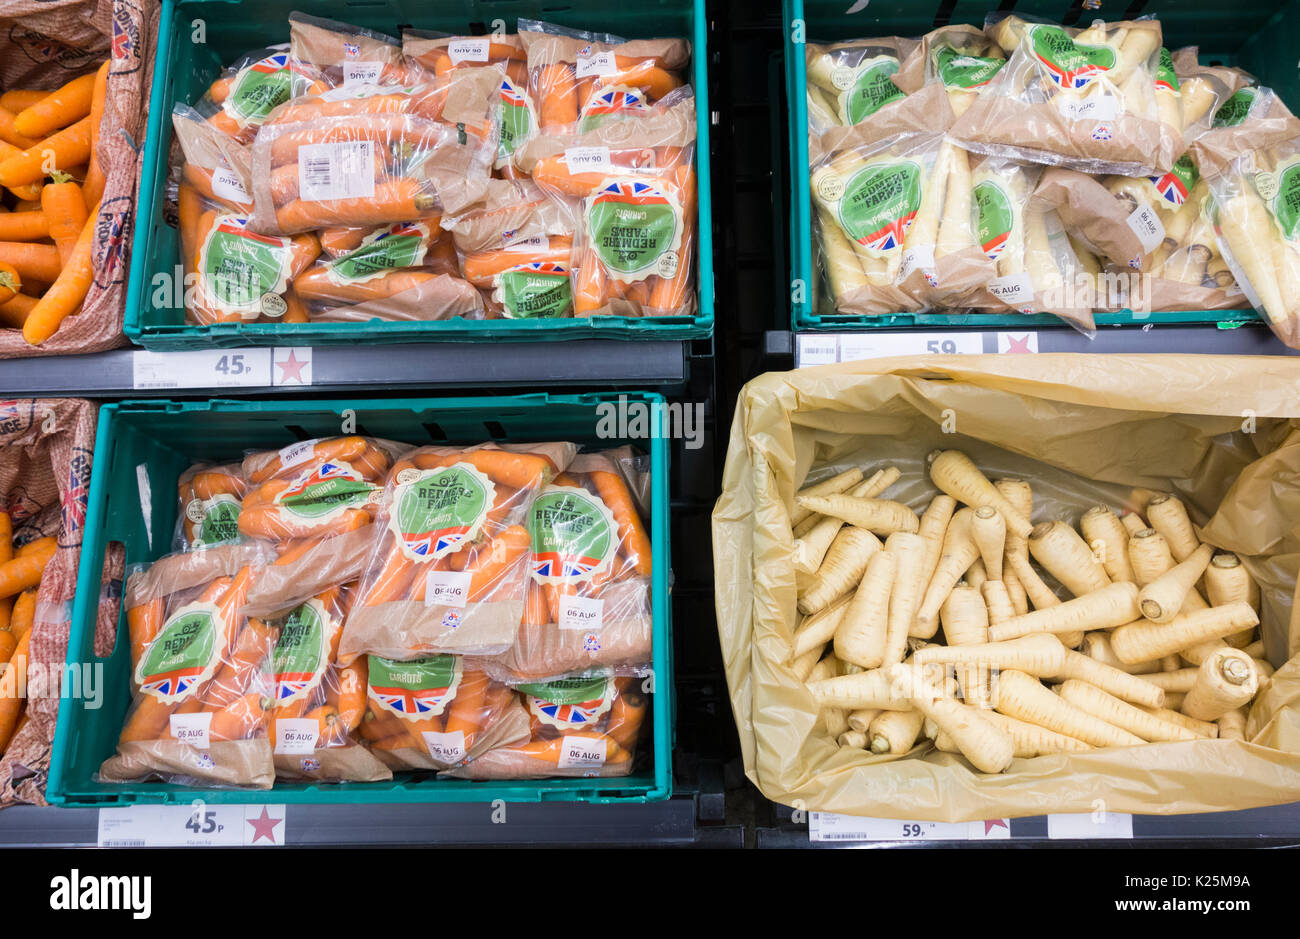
x: 828, y: 826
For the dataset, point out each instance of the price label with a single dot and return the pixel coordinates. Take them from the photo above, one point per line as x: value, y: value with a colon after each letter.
x: 1147, y: 226
x: 581, y: 612
x: 530, y: 245
x: 1013, y: 289
x: 581, y: 753
x: 361, y: 73
x: 445, y: 748
x: 828, y: 826
x: 1089, y: 825
x: 817, y: 350
x: 192, y: 728
x: 587, y: 159
x: 882, y: 345
x: 196, y: 825
x: 1097, y: 108
x: 201, y: 369
x: 468, y: 50
x: 600, y: 64
x: 447, y: 588
x: 227, y: 185
x: 296, y: 736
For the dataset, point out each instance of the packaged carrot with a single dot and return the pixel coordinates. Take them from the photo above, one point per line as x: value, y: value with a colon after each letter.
x: 318, y: 705
x: 579, y: 727
x: 313, y: 502
x: 587, y: 609
x: 442, y: 57
x: 240, y: 98
x: 340, y: 55
x: 449, y: 567
x: 404, y: 271
x: 436, y: 712
x: 213, y: 164
x: 631, y: 187
x: 198, y: 673
x: 210, y: 498
x: 370, y: 156
x: 584, y: 78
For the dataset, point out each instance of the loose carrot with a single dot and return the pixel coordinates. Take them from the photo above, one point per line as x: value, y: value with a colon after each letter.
x: 16, y: 99
x: 1111, y: 606
x: 10, y: 283
x: 22, y: 572
x: 68, y: 291
x: 15, y: 310
x: 10, y: 706
x: 9, y: 134
x: 24, y: 613
x: 64, y: 149
x: 24, y: 226
x: 32, y: 261
x: 8, y: 643
x: 64, y: 211
x: 1022, y: 697
x: 67, y: 105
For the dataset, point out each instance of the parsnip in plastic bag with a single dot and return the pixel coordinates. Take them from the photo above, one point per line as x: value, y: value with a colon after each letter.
x: 1082, y: 98
x: 578, y: 726
x: 199, y: 714
x: 587, y: 608
x: 448, y: 569
x: 318, y: 705
x: 961, y: 58
x: 850, y: 81
x: 437, y: 712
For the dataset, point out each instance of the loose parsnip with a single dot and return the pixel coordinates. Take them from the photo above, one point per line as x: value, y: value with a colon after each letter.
x: 837, y: 483
x: 1111, y: 680
x: 864, y: 690
x: 845, y: 563
x: 1097, y: 646
x: 988, y: 747
x: 954, y: 473
x: 1162, y: 598
x: 1168, y: 515
x: 1232, y: 726
x: 1022, y: 697
x: 1141, y: 642
x: 934, y: 525
x: 906, y: 594
x: 1032, y: 740
x: 863, y: 630
x: 1108, y: 540
x: 1199, y: 728
x: 816, y: 630
x: 1224, y: 682
x: 1108, y: 607
x: 989, y: 530
x: 1121, y: 714
x: 1040, y: 655
x: 958, y: 554
x: 1062, y: 553
x: 895, y: 731
x: 879, y: 516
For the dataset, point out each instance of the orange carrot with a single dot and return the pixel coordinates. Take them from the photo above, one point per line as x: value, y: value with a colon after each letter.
x: 24, y: 613
x: 200, y: 177
x: 397, y: 199
x: 466, y: 711
x: 295, y: 310
x: 8, y: 643
x: 9, y: 134
x: 64, y: 149
x: 23, y: 572
x: 551, y: 749
x: 15, y: 310
x: 11, y: 706
x: 37, y: 546
x: 64, y: 210
x: 10, y: 283
x: 635, y: 542
x: 16, y: 99
x: 93, y: 187
x: 143, y: 623
x: 60, y: 108
x: 351, y: 703
x: 559, y: 95
x: 316, y: 284
x: 498, y: 562
x: 395, y: 577
x: 32, y: 261
x: 24, y: 226
x: 239, y: 719
x: 68, y: 291
x: 517, y: 470
x: 148, y: 721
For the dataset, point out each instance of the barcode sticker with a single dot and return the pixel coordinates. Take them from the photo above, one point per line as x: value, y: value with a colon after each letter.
x: 587, y: 159
x: 598, y: 65
x: 446, y: 748
x: 227, y: 185
x: 581, y: 753
x: 447, y: 588
x: 361, y: 73
x: 344, y: 170
x: 296, y: 735
x: 816, y: 350
x: 1013, y: 289
x: 468, y: 50
x: 296, y: 453
x: 192, y: 728
x: 581, y: 612
x: 1147, y: 226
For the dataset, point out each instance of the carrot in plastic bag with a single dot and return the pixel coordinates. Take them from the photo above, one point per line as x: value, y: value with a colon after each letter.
x: 209, y: 505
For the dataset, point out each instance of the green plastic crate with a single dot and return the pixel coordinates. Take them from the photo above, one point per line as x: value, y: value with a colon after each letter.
x: 142, y: 447
x: 183, y: 70
x: 1258, y: 37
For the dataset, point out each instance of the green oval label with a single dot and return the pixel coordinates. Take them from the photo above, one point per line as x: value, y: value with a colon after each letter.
x: 535, y: 291
x: 635, y: 227
x: 879, y: 203
x: 416, y: 689
x: 301, y: 652
x: 993, y: 217
x: 1286, y: 201
x: 1236, y: 109
x: 323, y: 491
x: 517, y: 120
x: 570, y: 703
x: 402, y: 245
x: 574, y: 535
x: 259, y: 88
x: 184, y: 655
x: 958, y: 70
x: 237, y: 267
x: 1166, y: 77
x: 439, y: 511
x: 219, y: 521
x: 1068, y: 64
x: 870, y: 90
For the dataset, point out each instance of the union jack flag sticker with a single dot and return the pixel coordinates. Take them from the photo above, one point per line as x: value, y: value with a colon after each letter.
x: 581, y: 714
x: 542, y: 267
x: 631, y: 192
x: 271, y: 64
x: 512, y: 95
x: 1074, y: 78
x: 993, y: 250
x: 553, y: 564
x: 891, y: 236
x: 616, y: 100
x: 1171, y: 188
x: 74, y: 502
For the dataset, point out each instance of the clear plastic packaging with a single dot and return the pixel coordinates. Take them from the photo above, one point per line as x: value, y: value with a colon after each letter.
x: 318, y: 705
x: 210, y: 500
x: 850, y: 81
x: 437, y: 712
x: 339, y: 55
x: 248, y: 90
x: 963, y: 59
x: 579, y: 727
x: 198, y: 673
x: 587, y: 607
x: 313, y: 502
x: 448, y: 569
x: 214, y: 165
x: 1080, y: 98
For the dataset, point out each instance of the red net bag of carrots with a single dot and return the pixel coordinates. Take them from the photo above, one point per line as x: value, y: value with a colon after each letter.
x: 448, y: 571
x: 633, y: 184
x: 210, y: 500
x: 583, y: 78
x: 404, y: 271
x: 248, y: 90
x: 578, y: 727
x: 370, y: 156
x: 443, y: 56
x: 436, y: 712
x: 587, y: 609
x: 313, y: 502
x: 339, y: 55
x: 318, y: 705
x: 201, y: 692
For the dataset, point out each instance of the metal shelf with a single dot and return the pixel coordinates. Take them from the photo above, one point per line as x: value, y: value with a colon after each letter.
x: 606, y: 363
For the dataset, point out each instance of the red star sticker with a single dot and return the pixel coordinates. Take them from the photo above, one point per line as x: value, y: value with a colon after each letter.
x: 1015, y: 346
x: 264, y: 826
x: 993, y: 823
x: 292, y: 368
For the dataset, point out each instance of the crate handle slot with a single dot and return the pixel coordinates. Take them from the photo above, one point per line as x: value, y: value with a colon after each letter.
x: 112, y: 585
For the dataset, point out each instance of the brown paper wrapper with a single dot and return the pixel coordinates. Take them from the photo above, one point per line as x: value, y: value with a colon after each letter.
x: 1089, y: 212
x: 319, y: 43
x: 1084, y: 429
x: 278, y: 588
x: 554, y: 48
x: 243, y: 763
x: 662, y: 127
x: 190, y: 569
x: 403, y: 628
x: 512, y: 210
x: 353, y: 763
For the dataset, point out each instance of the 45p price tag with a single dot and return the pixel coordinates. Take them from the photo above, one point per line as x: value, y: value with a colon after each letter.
x: 199, y: 825
x: 215, y: 368
x: 827, y: 826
